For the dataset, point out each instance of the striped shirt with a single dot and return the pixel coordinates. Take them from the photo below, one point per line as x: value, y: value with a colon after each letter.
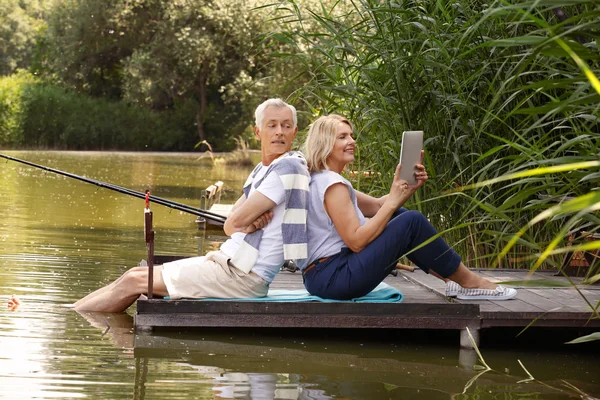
x: 291, y: 170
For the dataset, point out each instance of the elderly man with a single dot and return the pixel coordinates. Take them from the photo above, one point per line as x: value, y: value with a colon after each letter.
x: 267, y: 225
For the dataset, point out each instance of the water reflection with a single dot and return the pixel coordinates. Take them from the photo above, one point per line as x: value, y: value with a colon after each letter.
x: 60, y: 239
x: 244, y: 367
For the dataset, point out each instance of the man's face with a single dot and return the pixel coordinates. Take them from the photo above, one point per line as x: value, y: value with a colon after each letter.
x: 276, y: 133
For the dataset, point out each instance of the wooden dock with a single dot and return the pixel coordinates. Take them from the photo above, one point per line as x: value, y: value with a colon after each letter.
x: 424, y: 307
x: 211, y: 200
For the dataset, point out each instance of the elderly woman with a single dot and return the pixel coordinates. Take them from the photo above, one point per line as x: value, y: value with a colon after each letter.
x: 350, y: 255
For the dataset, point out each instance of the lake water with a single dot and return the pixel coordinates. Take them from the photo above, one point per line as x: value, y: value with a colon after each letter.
x: 61, y: 238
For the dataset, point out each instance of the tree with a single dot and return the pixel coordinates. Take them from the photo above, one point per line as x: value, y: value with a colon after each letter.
x: 20, y: 25
x: 194, y: 50
x: 87, y: 43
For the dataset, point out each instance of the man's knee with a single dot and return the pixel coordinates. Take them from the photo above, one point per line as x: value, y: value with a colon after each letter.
x: 136, y: 277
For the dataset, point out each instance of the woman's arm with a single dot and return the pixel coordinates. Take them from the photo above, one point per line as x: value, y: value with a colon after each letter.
x: 340, y: 209
x: 369, y: 205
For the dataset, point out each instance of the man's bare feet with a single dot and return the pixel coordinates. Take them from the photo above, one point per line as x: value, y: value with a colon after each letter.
x: 13, y: 303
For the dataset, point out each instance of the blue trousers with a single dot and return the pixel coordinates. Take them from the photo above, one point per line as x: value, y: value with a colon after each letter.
x: 348, y: 275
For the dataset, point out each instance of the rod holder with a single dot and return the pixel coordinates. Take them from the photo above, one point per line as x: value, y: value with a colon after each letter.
x: 149, y: 237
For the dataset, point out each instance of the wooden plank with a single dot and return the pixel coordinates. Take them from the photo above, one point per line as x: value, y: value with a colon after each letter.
x: 312, y: 308
x: 523, y: 275
x: 566, y: 297
x: 429, y: 282
x: 502, y: 275
x: 211, y: 320
x: 221, y: 209
x: 517, y: 305
x: 538, y: 301
x: 552, y: 319
x: 488, y: 306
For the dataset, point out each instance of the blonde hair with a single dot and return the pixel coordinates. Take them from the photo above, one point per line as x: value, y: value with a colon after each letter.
x: 320, y: 139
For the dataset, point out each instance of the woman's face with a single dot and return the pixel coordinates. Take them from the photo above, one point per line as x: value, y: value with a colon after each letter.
x: 343, y: 148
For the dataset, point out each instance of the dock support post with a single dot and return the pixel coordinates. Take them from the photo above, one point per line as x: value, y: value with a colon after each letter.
x: 465, y: 341
x: 149, y: 237
x: 144, y: 329
x: 201, y: 222
x: 140, y: 328
x: 467, y: 358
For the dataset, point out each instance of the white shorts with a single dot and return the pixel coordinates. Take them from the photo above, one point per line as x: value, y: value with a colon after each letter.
x: 211, y: 276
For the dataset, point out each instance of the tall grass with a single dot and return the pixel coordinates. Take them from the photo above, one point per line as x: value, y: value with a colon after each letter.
x: 499, y: 88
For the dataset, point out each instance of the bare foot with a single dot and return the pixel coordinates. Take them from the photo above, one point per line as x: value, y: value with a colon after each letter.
x: 468, y: 279
x: 486, y: 284
x: 480, y: 283
x: 13, y: 303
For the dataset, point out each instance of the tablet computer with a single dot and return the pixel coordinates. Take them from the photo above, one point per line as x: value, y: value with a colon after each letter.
x: 410, y: 155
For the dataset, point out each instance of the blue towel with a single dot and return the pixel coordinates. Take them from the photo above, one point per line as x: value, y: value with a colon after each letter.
x: 383, y: 293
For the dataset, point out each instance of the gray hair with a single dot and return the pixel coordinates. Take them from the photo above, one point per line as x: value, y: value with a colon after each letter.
x: 259, y: 114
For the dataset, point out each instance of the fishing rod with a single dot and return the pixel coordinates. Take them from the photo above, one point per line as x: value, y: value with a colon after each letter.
x: 158, y: 200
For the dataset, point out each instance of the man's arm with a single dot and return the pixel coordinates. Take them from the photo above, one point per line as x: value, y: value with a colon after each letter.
x: 238, y: 203
x: 249, y: 214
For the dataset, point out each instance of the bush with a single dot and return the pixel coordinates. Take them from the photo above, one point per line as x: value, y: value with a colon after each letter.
x: 11, y: 107
x: 35, y: 114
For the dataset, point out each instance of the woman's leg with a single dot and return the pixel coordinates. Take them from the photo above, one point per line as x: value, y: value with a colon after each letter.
x: 466, y: 278
x: 440, y: 259
x: 410, y: 229
x: 349, y: 275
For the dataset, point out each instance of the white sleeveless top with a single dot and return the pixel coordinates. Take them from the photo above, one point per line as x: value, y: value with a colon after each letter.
x: 323, y: 239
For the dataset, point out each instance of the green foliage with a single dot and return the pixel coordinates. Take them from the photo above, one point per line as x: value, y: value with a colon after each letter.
x: 11, y: 107
x: 57, y: 118
x: 161, y: 55
x: 200, y: 50
x: 588, y: 338
x: 498, y: 89
x: 86, y: 45
x: 198, y: 64
x: 21, y: 23
x: 41, y: 115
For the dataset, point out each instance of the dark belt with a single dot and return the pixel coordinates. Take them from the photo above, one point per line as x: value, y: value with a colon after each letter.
x: 320, y: 260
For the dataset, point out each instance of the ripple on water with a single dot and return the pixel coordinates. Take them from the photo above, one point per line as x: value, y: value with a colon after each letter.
x: 60, y: 239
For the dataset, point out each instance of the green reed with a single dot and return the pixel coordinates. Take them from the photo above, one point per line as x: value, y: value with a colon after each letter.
x: 498, y: 88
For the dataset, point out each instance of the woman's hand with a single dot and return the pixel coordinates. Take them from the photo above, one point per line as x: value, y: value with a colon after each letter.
x: 400, y: 191
x: 421, y: 173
